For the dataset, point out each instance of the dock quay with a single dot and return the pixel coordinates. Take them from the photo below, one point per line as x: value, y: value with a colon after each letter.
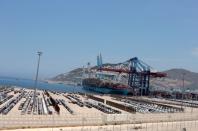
x: 57, y: 109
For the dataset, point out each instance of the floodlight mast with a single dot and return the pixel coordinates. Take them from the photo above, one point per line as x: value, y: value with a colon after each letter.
x: 39, y: 53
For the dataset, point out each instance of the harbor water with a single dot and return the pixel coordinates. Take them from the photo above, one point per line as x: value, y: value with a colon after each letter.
x: 27, y: 83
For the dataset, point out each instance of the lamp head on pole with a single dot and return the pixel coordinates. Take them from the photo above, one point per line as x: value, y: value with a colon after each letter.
x: 39, y: 53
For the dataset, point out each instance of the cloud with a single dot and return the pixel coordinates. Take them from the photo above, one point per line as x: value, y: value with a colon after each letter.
x: 195, y: 51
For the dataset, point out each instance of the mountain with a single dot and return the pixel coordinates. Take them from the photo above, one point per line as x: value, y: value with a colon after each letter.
x: 73, y: 76
x: 173, y: 81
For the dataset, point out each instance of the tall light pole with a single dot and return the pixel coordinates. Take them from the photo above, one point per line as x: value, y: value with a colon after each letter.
x: 39, y: 53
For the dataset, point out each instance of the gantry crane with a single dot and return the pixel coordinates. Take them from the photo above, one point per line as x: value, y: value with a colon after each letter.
x: 138, y: 72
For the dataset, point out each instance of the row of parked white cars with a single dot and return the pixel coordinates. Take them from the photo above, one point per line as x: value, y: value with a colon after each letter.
x: 147, y: 107
x: 11, y: 103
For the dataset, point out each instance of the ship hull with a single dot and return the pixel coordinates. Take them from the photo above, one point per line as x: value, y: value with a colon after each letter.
x: 106, y: 90
x: 105, y: 87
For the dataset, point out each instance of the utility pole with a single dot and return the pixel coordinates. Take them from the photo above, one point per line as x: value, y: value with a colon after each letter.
x: 183, y: 79
x: 39, y: 53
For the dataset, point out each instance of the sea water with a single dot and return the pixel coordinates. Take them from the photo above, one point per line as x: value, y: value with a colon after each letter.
x: 27, y: 83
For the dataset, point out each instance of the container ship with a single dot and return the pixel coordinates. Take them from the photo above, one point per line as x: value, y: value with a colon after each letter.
x: 129, y: 77
x: 103, y: 81
x: 104, y: 86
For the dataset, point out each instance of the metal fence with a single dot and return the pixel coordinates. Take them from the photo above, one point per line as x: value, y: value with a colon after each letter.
x: 124, y: 121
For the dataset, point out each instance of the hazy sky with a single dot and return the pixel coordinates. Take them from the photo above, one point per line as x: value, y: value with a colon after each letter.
x: 163, y: 33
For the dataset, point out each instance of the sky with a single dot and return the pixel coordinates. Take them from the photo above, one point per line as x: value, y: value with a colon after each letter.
x: 163, y: 34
